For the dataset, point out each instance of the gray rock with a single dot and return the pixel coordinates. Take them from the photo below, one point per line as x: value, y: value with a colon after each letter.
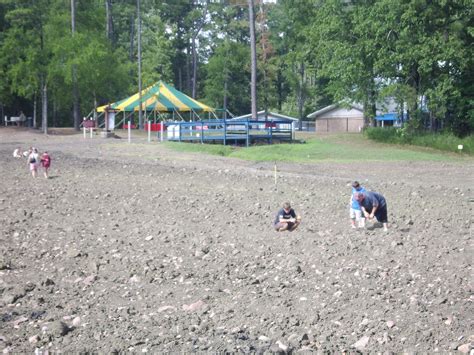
x: 58, y: 329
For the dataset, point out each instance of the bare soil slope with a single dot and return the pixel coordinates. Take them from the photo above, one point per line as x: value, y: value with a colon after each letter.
x: 135, y: 247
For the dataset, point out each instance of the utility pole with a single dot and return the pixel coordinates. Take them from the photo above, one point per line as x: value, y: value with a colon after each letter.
x: 140, y: 115
x: 253, y: 49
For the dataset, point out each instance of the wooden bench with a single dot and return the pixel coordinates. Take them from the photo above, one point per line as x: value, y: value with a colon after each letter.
x: 14, y: 119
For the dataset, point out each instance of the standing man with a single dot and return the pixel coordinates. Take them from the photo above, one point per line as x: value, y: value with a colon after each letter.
x: 373, y: 205
x: 286, y: 219
x: 22, y: 119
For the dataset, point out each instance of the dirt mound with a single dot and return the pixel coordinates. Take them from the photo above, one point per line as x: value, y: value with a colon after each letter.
x: 133, y: 247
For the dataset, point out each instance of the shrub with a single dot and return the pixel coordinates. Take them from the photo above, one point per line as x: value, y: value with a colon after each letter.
x: 442, y: 141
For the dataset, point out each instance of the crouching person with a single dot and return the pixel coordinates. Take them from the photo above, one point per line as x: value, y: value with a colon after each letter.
x: 373, y: 205
x: 286, y: 219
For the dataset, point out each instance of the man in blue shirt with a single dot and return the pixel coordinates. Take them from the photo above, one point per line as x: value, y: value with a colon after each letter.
x: 373, y: 205
x: 355, y: 213
x: 286, y: 219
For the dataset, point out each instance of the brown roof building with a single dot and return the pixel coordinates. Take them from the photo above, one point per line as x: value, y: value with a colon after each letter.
x: 335, y: 118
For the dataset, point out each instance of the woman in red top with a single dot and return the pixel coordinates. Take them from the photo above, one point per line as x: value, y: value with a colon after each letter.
x: 45, y: 163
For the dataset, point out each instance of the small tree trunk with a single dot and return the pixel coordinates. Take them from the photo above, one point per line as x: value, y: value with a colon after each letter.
x: 253, y: 50
x: 188, y: 74
x: 263, y: 42
x: 194, y: 52
x: 180, y: 79
x: 109, y: 21
x: 35, y: 99
x: 301, y: 95
x: 95, y: 109
x: 194, y: 67
x: 280, y: 88
x: 75, y: 90
x: 44, y: 102
x: 225, y: 97
x: 55, y: 111
x: 132, y: 36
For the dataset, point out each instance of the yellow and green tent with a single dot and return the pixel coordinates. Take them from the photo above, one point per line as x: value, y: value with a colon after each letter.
x: 160, y: 97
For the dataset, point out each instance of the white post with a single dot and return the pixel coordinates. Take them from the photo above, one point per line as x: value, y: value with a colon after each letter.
x: 161, y: 129
x: 149, y: 131
x: 84, y: 126
x: 275, y: 170
x: 91, y: 132
x: 129, y: 131
x: 84, y: 129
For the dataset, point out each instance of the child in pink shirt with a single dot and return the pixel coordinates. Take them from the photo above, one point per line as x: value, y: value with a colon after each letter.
x: 45, y: 163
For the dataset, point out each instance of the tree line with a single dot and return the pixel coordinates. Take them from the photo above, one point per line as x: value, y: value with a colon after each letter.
x: 61, y: 58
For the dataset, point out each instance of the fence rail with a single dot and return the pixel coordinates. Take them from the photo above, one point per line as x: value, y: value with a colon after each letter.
x: 230, y: 131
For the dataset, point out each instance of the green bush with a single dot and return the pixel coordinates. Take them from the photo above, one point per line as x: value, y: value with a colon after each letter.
x: 442, y: 141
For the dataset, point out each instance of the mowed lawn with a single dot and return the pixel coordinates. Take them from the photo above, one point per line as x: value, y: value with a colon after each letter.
x: 310, y: 147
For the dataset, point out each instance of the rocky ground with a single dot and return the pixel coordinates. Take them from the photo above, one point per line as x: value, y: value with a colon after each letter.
x: 135, y: 247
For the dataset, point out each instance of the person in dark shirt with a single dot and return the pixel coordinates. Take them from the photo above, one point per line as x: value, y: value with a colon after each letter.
x: 286, y: 219
x: 373, y: 205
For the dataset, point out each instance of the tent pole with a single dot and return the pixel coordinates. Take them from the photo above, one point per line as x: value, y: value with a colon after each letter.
x: 162, y: 129
x: 182, y: 119
x: 195, y: 113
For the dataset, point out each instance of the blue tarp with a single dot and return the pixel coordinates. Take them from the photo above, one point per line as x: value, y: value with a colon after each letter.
x: 387, y: 117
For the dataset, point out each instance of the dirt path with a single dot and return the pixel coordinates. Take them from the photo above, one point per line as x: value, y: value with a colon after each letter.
x: 136, y: 247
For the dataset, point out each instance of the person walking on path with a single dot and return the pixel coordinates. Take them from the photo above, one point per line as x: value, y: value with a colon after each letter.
x: 286, y: 219
x: 373, y: 205
x: 45, y: 163
x: 355, y: 212
x: 33, y: 161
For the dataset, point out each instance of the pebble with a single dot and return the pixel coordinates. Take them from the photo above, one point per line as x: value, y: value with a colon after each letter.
x: 194, y: 306
x: 135, y: 279
x: 89, y: 280
x: 34, y: 339
x: 166, y: 308
x: 18, y: 321
x: 464, y: 348
x: 281, y: 345
x: 58, y: 329
x: 76, y: 321
x: 361, y: 343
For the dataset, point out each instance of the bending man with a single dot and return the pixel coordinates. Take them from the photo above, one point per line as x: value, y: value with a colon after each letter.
x: 373, y: 205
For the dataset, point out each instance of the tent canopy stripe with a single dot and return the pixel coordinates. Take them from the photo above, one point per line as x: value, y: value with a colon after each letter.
x: 158, y: 97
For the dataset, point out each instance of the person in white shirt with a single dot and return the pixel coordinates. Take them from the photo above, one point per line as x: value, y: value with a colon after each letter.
x: 34, y: 162
x: 17, y: 153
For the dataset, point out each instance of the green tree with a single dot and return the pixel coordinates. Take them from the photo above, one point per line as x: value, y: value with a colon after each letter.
x: 295, y: 81
x: 227, y: 82
x: 26, y: 50
x: 345, y: 52
x: 157, y: 49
